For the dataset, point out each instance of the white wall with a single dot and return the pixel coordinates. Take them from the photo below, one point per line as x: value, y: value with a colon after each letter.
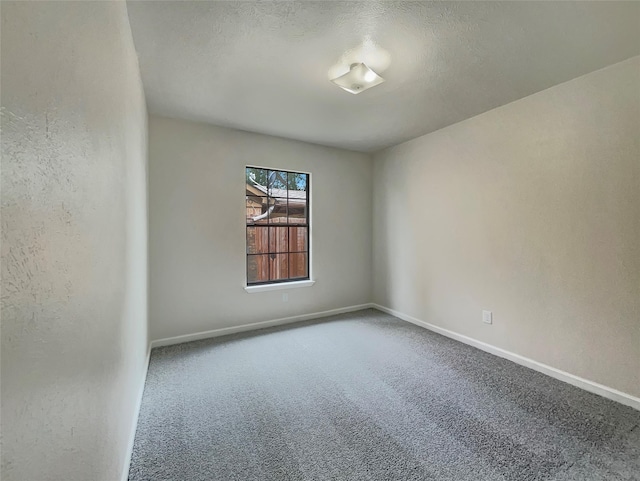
x: 197, y: 227
x: 531, y: 210
x: 74, y: 241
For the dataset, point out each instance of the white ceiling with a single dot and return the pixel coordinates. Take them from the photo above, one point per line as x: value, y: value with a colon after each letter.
x: 263, y: 66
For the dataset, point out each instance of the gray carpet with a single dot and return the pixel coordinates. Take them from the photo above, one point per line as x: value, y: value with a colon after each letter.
x: 365, y: 396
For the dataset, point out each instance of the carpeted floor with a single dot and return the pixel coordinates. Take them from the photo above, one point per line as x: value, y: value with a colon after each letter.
x: 365, y: 396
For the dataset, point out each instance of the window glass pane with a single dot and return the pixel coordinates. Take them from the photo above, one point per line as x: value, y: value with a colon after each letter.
x: 278, y: 214
x: 298, y: 211
x: 279, y: 266
x: 256, y: 207
x: 277, y: 183
x: 297, y: 182
x: 257, y: 240
x: 257, y: 268
x: 257, y: 177
x: 278, y: 239
x: 298, y: 239
x: 298, y: 265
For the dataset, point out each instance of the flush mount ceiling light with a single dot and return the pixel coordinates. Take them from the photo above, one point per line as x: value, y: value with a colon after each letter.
x: 358, y: 79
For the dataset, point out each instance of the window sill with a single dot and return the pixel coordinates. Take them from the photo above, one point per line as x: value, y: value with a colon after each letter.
x: 279, y: 286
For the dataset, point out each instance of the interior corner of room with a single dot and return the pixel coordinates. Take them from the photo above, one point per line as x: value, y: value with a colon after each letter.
x: 474, y: 170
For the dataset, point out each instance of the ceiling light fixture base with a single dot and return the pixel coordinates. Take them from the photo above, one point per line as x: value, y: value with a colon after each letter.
x: 358, y: 79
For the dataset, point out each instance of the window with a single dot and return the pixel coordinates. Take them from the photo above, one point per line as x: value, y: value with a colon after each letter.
x: 277, y: 211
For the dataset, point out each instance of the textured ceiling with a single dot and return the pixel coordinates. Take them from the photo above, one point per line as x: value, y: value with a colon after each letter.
x: 264, y: 66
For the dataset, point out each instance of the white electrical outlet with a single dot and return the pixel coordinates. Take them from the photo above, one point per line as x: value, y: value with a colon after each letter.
x: 487, y: 317
x: 285, y: 297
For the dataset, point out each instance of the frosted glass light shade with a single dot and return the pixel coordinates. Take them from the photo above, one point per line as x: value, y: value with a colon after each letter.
x: 358, y: 79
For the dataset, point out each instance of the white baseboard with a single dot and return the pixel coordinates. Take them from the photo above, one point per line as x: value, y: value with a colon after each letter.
x: 593, y: 387
x: 136, y: 415
x: 224, y: 331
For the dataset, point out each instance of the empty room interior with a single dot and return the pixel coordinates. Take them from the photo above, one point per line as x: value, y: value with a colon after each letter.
x: 320, y: 240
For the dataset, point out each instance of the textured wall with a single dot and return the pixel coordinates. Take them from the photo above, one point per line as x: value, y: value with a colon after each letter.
x: 74, y: 218
x: 532, y: 211
x: 197, y: 227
